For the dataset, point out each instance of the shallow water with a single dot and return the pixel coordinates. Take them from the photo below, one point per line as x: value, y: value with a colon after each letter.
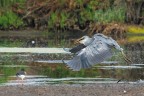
x: 69, y: 80
x: 47, y: 68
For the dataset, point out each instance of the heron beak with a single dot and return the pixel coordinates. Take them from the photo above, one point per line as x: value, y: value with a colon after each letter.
x: 125, y: 58
x: 77, y: 41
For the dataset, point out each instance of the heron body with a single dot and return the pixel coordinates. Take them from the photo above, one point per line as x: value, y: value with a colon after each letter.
x: 94, y: 50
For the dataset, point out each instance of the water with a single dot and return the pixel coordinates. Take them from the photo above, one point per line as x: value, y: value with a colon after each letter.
x: 48, y: 68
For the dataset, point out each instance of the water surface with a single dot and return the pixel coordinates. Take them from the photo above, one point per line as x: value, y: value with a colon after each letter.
x: 48, y: 68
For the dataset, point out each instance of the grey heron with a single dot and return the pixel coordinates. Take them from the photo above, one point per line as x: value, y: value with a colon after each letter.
x: 92, y: 51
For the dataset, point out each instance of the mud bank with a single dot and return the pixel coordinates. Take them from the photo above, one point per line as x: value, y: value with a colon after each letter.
x: 74, y: 90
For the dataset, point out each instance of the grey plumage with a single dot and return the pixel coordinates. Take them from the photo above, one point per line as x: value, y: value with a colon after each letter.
x: 98, y: 48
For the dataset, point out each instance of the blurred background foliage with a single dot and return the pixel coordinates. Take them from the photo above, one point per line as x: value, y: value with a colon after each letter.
x: 69, y: 14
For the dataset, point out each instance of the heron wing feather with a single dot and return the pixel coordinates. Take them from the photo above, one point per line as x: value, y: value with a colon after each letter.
x: 95, y: 53
x: 75, y: 63
x: 85, y: 61
x: 107, y: 40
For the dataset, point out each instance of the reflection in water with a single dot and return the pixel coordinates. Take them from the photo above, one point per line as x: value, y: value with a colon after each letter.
x: 43, y: 80
x: 50, y: 66
x: 135, y: 51
x: 138, y: 64
x: 60, y: 61
x: 118, y: 67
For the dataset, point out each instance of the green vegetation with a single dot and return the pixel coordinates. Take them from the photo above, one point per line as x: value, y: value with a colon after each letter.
x: 64, y: 14
x: 111, y: 15
x: 8, y: 43
x: 68, y: 14
x: 59, y: 43
x: 10, y: 20
x: 3, y: 79
x: 9, y: 71
x: 8, y: 3
x: 21, y: 43
x: 60, y: 71
x: 102, y: 14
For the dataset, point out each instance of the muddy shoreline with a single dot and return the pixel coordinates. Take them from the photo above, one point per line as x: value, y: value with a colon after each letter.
x: 106, y: 89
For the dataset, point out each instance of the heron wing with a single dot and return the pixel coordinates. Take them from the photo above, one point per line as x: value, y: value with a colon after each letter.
x: 107, y: 40
x: 94, y: 53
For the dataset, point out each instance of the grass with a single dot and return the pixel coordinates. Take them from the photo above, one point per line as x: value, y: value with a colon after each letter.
x: 6, y: 3
x: 60, y: 71
x: 7, y: 43
x: 3, y: 80
x: 61, y: 18
x: 87, y: 13
x: 7, y: 71
x: 10, y: 20
x: 110, y: 15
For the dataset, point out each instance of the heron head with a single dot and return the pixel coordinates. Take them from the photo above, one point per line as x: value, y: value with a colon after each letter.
x: 83, y: 40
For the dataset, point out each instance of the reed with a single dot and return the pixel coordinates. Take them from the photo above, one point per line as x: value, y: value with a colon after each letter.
x: 110, y: 15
